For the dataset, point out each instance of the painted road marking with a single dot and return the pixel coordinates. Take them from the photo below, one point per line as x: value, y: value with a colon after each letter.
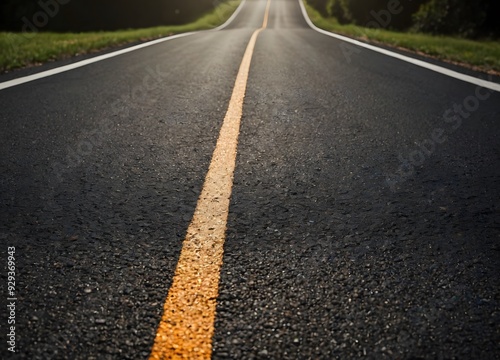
x: 456, y: 75
x: 187, y: 325
x: 61, y: 69
x: 230, y: 20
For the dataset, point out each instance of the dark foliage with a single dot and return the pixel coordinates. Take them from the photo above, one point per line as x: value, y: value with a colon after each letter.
x: 459, y: 17
x: 453, y: 17
x: 390, y: 14
x: 90, y: 15
x: 321, y: 6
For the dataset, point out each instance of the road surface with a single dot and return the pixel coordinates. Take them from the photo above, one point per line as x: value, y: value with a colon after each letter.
x: 364, y: 215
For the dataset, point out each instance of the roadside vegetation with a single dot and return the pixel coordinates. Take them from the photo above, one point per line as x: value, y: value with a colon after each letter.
x: 21, y: 49
x: 465, y: 43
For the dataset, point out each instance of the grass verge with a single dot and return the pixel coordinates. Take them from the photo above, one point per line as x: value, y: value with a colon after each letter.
x: 26, y: 49
x: 479, y: 55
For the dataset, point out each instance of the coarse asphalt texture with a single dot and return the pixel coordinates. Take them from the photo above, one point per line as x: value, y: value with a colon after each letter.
x: 364, y: 218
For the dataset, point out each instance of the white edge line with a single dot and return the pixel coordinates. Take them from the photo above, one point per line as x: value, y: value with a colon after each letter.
x: 58, y: 70
x: 230, y: 20
x: 470, y: 79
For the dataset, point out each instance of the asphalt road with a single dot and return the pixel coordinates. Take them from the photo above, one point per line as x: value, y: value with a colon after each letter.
x: 364, y: 219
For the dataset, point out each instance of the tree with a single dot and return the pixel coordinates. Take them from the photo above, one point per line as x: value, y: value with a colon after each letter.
x: 457, y: 17
x: 368, y: 12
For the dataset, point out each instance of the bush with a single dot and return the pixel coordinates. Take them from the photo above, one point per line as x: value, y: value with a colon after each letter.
x: 366, y: 12
x: 337, y: 10
x: 452, y: 17
x: 321, y: 6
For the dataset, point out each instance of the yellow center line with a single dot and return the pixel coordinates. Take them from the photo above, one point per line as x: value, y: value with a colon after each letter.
x: 187, y: 325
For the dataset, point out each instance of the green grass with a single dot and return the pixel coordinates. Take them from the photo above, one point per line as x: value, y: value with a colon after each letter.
x: 25, y: 49
x: 481, y: 55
